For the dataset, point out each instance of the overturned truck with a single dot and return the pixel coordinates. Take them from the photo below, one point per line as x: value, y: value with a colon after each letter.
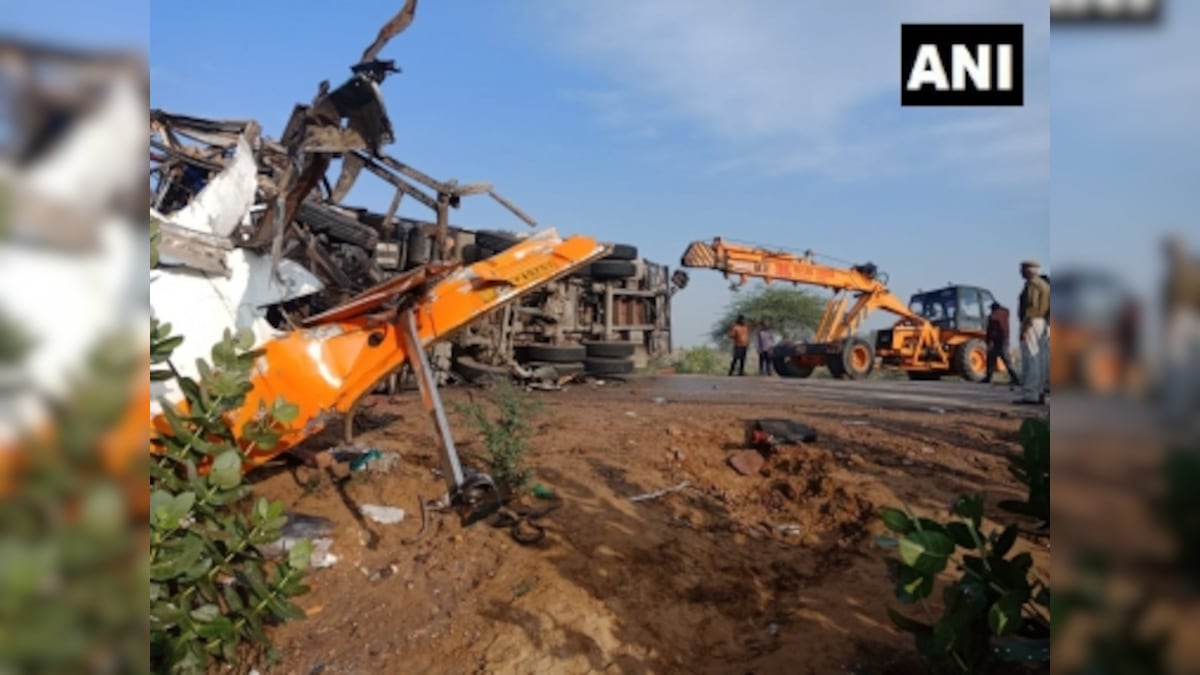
x: 217, y: 185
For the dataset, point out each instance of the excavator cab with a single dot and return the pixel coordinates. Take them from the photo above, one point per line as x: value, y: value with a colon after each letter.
x: 954, y: 308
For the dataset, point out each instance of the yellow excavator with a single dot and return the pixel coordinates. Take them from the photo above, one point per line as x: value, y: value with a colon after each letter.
x: 938, y: 333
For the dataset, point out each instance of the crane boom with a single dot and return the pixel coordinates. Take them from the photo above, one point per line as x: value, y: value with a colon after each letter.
x: 864, y: 281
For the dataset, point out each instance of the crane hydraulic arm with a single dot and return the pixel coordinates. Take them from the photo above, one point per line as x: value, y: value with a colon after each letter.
x: 324, y: 367
x: 864, y: 282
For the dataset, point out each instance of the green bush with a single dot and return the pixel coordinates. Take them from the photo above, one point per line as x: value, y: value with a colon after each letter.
x: 211, y: 591
x: 1032, y: 468
x: 506, y: 437
x: 701, y: 361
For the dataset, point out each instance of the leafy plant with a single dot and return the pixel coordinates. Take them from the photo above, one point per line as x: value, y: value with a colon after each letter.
x: 506, y: 438
x: 791, y: 312
x: 70, y: 568
x: 1032, y: 468
x: 211, y: 591
x: 990, y: 614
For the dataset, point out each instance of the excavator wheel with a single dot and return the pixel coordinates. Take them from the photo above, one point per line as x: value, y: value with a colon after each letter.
x: 856, y: 362
x: 970, y: 360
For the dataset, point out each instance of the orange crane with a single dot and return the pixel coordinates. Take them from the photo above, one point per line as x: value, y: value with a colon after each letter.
x: 938, y: 333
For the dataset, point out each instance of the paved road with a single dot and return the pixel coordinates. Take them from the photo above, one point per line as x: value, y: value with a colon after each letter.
x: 901, y: 394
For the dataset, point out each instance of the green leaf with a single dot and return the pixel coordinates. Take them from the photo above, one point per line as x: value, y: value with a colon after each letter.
x: 927, y: 552
x: 1005, y: 541
x: 970, y: 507
x: 168, y: 510
x: 1004, y: 617
x: 896, y: 520
x: 299, y: 554
x: 962, y: 534
x: 226, y: 472
x: 205, y: 613
x: 245, y: 339
x: 219, y: 628
x: 285, y: 412
x: 912, y: 586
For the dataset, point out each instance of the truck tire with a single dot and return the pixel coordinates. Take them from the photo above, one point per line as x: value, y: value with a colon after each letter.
x: 622, y: 252
x: 785, y: 366
x: 497, y: 241
x: 551, y: 353
x: 610, y: 269
x: 970, y: 360
x: 610, y: 350
x: 857, y: 360
x: 602, y: 366
x: 473, y: 371
x: 324, y: 220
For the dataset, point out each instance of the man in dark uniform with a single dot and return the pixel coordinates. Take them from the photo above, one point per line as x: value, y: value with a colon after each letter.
x: 997, y: 340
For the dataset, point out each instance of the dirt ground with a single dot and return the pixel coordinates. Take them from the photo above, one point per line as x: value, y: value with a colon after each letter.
x: 775, y: 573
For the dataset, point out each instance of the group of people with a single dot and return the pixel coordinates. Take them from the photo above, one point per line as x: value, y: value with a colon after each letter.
x: 764, y: 341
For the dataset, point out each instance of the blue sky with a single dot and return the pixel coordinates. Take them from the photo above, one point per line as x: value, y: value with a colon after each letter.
x: 771, y: 121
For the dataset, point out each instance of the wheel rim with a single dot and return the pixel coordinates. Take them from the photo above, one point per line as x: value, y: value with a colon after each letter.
x: 977, y: 361
x: 860, y: 358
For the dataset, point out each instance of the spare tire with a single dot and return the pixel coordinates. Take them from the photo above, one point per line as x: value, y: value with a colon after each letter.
x: 611, y: 269
x: 601, y: 366
x: 622, y: 252
x: 610, y: 350
x: 551, y: 353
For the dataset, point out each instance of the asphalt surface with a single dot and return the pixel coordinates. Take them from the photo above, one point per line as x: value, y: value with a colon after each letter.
x: 938, y: 396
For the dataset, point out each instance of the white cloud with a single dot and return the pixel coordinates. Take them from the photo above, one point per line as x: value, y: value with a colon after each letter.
x: 783, y: 86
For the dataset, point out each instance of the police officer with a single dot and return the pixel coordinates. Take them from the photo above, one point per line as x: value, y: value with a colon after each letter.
x: 1034, y: 312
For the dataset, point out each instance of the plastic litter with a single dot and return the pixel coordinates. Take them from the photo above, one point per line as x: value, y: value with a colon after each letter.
x: 384, y: 515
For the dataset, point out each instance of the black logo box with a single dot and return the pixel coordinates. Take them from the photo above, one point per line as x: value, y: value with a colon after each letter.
x: 912, y: 36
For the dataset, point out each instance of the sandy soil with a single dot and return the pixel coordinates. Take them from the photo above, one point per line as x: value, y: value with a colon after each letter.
x: 708, y: 579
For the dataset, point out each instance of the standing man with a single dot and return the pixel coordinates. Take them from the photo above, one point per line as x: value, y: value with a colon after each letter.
x: 1034, y: 310
x: 765, y: 342
x: 997, y: 341
x: 740, y: 335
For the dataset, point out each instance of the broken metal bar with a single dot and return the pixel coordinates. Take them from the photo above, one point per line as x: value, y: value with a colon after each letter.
x: 423, y: 372
x: 409, y: 172
x: 351, y: 167
x: 513, y: 207
x: 399, y: 183
x: 388, y: 219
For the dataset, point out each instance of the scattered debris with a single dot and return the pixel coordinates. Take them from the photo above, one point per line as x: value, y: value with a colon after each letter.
x: 765, y: 434
x: 747, y: 462
x: 659, y: 493
x: 790, y: 529
x: 937, y: 409
x: 857, y: 423
x: 659, y: 400
x: 384, y: 515
x: 542, y: 492
x: 300, y: 526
